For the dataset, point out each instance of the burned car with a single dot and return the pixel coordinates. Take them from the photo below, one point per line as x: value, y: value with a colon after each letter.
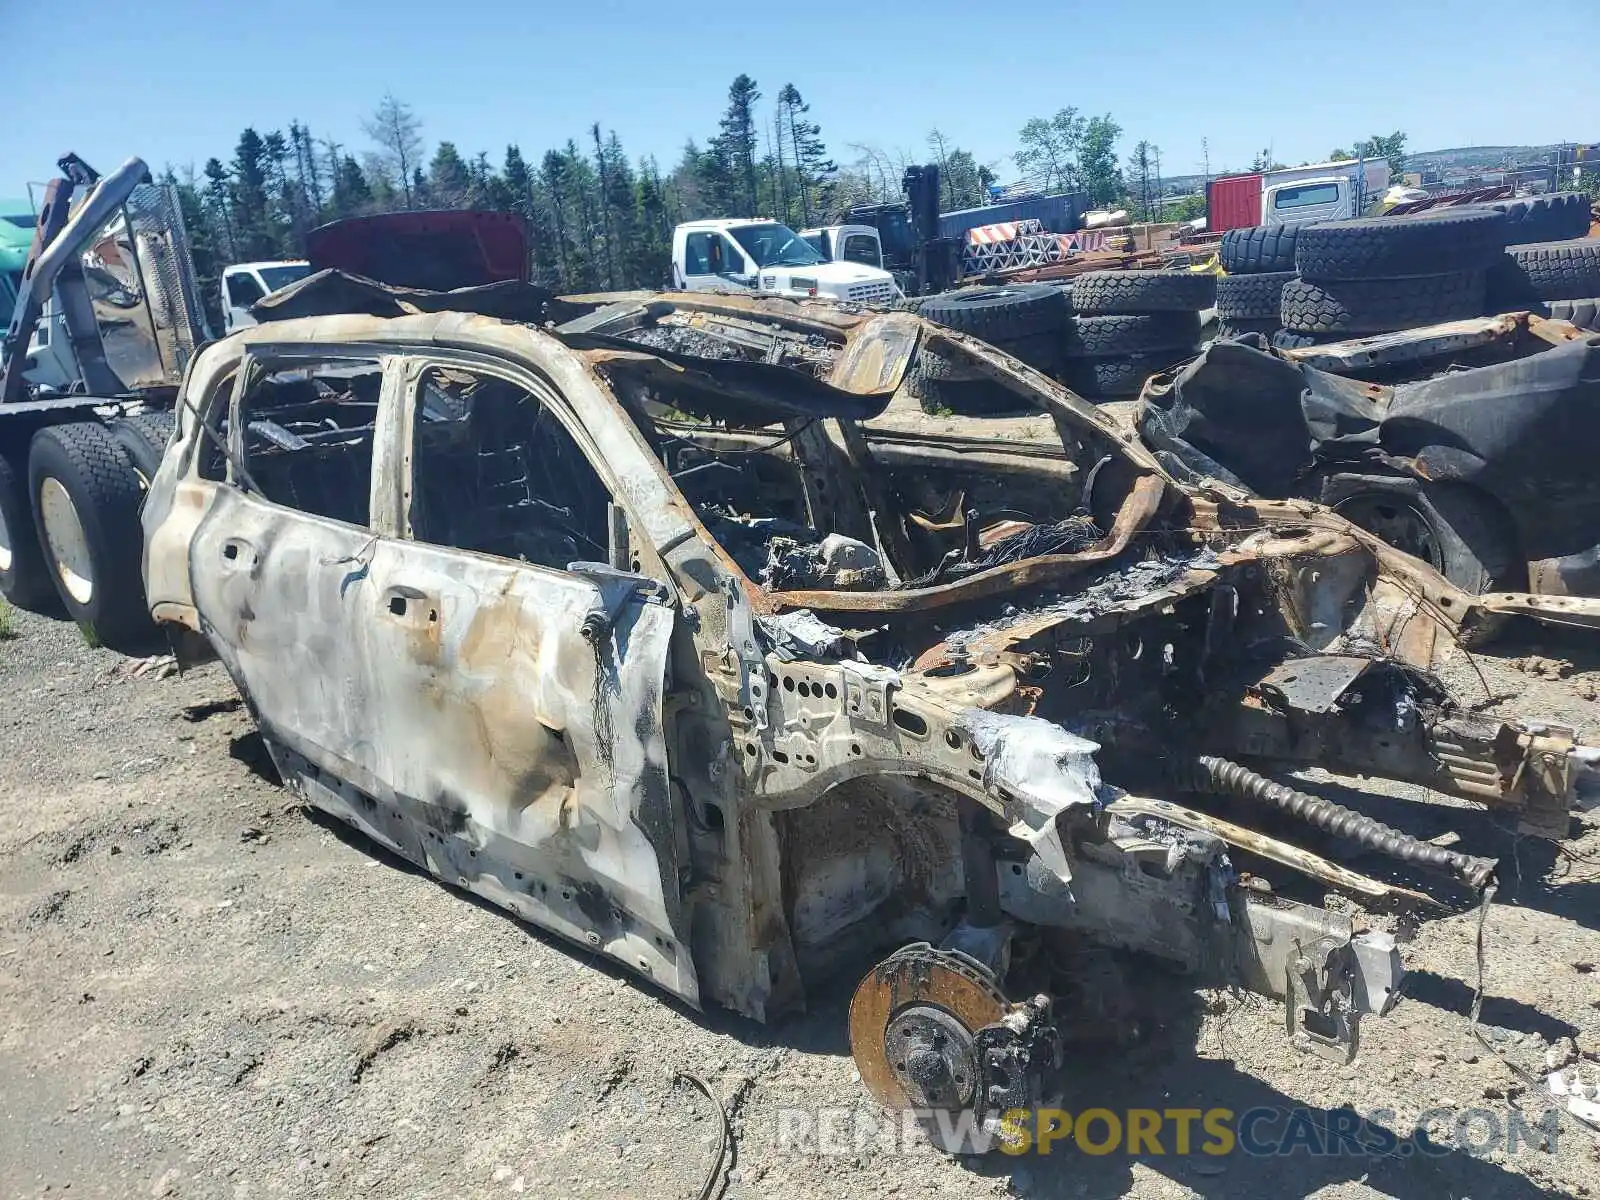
x: 1468, y: 444
x: 645, y: 627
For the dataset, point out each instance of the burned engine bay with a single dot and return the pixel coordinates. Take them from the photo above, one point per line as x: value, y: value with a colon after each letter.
x: 1177, y: 630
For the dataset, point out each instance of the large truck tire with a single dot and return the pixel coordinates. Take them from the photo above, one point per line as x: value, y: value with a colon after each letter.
x: 998, y: 314
x: 1251, y: 297
x: 1525, y: 275
x: 1585, y: 314
x: 144, y: 439
x: 1130, y: 292
x: 1114, y: 377
x: 1430, y: 243
x: 1231, y: 328
x: 24, y: 578
x: 1546, y: 218
x: 1380, y: 305
x: 86, y: 499
x: 1093, y: 337
x: 1259, y: 250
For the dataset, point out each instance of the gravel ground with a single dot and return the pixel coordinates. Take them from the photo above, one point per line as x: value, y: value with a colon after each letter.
x: 206, y: 991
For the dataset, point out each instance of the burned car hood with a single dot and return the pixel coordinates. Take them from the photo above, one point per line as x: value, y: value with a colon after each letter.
x: 1522, y: 431
x: 438, y: 251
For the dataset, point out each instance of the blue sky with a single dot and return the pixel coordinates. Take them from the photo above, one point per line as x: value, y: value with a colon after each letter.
x: 174, y: 81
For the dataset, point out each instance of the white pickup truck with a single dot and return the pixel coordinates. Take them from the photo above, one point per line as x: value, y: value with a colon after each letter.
x: 245, y: 283
x: 764, y: 256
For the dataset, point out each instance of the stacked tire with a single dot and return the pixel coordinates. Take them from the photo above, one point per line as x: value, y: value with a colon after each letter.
x: 1259, y: 261
x: 1557, y: 275
x: 1558, y: 218
x: 1026, y: 320
x: 1129, y: 325
x: 1380, y: 274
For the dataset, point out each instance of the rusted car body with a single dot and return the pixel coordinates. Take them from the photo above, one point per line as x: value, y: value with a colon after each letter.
x: 643, y: 628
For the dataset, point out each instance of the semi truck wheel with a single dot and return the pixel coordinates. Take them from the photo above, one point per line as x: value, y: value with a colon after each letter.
x: 23, y: 576
x: 144, y: 439
x: 86, y: 500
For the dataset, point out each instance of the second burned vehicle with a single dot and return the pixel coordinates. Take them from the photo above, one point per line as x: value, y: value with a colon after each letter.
x: 639, y: 626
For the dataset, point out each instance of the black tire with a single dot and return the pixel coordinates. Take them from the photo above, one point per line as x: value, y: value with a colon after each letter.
x: 1528, y: 274
x: 1259, y: 250
x: 1585, y: 314
x: 24, y: 577
x: 1430, y: 243
x: 1095, y: 337
x: 1041, y: 351
x: 1236, y: 327
x: 1110, y: 378
x: 144, y: 439
x: 1253, y: 297
x: 1288, y: 339
x: 1000, y: 314
x: 1546, y: 218
x: 1464, y: 535
x: 1380, y: 305
x: 84, y: 462
x: 1118, y: 292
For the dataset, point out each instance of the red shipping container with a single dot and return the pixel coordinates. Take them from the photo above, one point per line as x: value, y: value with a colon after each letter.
x: 1233, y: 202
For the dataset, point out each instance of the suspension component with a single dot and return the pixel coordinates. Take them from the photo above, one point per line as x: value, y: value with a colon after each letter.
x: 1222, y: 776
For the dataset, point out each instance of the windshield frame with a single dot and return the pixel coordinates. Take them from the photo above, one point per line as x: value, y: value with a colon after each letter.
x: 787, y: 254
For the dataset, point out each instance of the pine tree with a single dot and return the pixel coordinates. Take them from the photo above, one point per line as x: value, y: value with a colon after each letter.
x: 527, y: 197
x: 449, y: 180
x: 305, y: 167
x: 608, y: 239
x: 217, y: 200
x: 813, y: 167
x: 398, y: 133
x: 735, y: 151
x: 652, y: 262
x: 254, y: 233
x: 351, y: 192
x: 554, y: 173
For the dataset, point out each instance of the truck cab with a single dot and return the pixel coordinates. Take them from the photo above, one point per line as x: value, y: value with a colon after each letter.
x: 847, y: 243
x: 1329, y: 191
x: 1301, y: 201
x: 768, y: 257
x: 245, y: 283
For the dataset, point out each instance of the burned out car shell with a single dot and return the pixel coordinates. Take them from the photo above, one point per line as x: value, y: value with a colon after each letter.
x: 735, y: 752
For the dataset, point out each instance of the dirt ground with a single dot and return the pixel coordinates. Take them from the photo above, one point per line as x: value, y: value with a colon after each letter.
x: 207, y: 991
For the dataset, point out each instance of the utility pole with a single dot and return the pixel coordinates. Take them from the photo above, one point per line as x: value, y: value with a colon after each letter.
x: 1205, y: 158
x: 1156, y: 150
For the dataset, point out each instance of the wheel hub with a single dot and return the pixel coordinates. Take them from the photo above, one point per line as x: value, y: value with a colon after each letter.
x: 932, y: 1034
x: 69, y: 548
x: 1396, y: 522
x: 932, y: 1055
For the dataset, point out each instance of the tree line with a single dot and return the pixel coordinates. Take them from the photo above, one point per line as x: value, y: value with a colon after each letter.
x: 601, y: 219
x: 598, y: 218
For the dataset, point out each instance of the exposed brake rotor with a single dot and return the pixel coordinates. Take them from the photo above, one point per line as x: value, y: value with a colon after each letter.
x: 930, y: 1031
